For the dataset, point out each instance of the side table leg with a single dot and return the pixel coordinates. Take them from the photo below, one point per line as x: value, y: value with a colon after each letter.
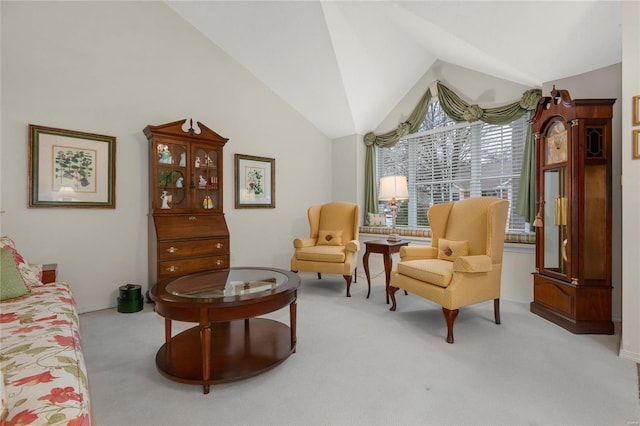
x: 365, y: 262
x: 387, y: 273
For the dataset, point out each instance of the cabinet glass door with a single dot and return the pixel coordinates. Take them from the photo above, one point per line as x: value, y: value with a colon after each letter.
x: 206, y: 176
x: 170, y: 184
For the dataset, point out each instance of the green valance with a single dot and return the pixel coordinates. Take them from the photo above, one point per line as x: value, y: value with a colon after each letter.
x: 458, y: 110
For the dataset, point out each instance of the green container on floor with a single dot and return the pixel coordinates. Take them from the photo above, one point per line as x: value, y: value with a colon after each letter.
x: 130, y: 299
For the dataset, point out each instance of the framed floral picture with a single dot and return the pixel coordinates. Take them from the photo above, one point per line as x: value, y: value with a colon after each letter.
x: 255, y: 182
x: 71, y: 169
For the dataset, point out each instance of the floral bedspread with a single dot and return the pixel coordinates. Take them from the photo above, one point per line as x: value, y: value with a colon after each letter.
x: 45, y: 378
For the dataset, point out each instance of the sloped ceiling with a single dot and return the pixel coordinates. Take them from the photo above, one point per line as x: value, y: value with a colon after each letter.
x: 345, y: 64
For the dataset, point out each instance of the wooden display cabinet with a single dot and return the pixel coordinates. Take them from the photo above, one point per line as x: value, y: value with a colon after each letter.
x: 187, y: 229
x: 572, y: 281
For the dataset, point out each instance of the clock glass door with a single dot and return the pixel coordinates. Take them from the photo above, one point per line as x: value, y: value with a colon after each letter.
x: 556, y: 226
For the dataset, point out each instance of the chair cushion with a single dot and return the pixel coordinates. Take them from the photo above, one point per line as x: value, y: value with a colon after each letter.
x: 330, y: 238
x: 433, y: 271
x: 450, y: 250
x: 321, y: 254
x: 12, y: 284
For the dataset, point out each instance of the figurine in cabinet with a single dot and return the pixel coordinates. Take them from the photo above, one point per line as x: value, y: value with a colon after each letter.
x: 202, y: 181
x: 183, y: 159
x: 179, y: 182
x: 165, y: 155
x: 166, y: 198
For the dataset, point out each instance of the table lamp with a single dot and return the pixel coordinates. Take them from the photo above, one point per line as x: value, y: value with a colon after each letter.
x: 393, y: 188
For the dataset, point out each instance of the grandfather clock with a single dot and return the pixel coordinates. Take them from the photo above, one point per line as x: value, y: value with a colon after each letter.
x: 572, y: 281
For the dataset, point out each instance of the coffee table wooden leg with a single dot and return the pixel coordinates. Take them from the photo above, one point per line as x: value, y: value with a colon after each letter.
x: 167, y: 331
x: 293, y: 308
x: 205, y: 340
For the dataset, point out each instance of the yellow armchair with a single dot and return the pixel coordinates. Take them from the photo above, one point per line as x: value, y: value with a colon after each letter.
x: 463, y: 265
x: 332, y: 246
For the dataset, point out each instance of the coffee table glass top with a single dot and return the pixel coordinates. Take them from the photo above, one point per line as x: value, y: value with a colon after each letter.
x: 227, y: 283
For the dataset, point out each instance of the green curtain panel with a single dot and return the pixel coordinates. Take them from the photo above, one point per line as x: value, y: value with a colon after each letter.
x: 459, y: 110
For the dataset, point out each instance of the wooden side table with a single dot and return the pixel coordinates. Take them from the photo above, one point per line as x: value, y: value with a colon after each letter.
x: 386, y: 248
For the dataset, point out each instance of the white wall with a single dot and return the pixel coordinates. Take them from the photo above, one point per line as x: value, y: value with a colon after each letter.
x: 113, y: 68
x: 630, y: 345
x: 347, y: 169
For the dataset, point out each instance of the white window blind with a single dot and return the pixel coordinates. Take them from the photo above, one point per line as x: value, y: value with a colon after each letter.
x: 455, y: 161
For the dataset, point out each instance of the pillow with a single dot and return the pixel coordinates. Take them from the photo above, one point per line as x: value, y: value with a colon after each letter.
x: 450, y: 250
x: 330, y: 238
x: 11, y: 283
x: 377, y: 219
x: 31, y: 273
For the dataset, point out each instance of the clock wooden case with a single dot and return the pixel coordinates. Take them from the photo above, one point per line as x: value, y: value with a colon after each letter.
x: 572, y: 281
x: 187, y: 229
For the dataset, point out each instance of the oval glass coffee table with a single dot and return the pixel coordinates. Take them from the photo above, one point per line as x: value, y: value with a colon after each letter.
x: 229, y: 343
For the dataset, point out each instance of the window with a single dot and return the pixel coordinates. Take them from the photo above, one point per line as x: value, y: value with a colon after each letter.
x: 448, y: 161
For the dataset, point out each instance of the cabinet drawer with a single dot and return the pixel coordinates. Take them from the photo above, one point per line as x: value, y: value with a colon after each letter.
x: 557, y: 296
x: 182, y: 249
x: 176, y: 268
x: 174, y: 227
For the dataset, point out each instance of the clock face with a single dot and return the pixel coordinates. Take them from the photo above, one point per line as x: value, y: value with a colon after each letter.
x: 557, y: 143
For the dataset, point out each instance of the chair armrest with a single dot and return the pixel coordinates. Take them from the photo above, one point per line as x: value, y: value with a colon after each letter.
x: 352, y: 246
x: 418, y: 252
x: 478, y: 263
x: 304, y: 242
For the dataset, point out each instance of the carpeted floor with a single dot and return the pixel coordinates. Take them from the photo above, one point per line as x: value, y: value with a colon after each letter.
x: 357, y: 363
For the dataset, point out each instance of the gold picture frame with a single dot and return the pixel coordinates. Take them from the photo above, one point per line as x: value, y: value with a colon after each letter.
x: 255, y: 182
x: 635, y: 144
x: 636, y: 110
x: 68, y: 168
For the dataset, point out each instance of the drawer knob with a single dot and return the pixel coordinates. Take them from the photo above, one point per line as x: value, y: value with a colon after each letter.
x: 172, y: 249
x: 219, y: 245
x: 219, y: 262
x: 193, y: 218
x: 172, y: 268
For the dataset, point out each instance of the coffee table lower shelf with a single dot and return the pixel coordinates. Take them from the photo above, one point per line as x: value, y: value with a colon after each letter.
x: 239, y: 349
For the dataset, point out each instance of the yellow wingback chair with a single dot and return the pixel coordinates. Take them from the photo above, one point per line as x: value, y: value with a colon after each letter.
x: 463, y: 265
x: 332, y: 246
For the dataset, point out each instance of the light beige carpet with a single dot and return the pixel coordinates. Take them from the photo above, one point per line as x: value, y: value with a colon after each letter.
x: 357, y: 363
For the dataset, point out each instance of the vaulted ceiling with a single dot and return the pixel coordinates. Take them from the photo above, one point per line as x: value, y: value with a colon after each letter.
x: 345, y: 64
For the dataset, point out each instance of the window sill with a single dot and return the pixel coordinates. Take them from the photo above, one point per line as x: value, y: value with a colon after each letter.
x: 510, y: 237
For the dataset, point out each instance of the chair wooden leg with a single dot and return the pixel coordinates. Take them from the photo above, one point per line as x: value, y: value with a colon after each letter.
x: 391, y: 291
x: 496, y: 310
x: 347, y: 278
x: 319, y: 276
x: 450, y: 317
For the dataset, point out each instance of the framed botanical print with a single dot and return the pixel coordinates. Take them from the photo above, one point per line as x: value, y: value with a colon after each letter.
x: 68, y: 168
x: 255, y: 183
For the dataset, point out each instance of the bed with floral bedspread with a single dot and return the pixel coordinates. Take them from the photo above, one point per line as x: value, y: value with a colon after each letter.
x: 43, y: 373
